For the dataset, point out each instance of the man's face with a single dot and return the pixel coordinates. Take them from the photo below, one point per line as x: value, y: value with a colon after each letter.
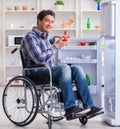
x: 46, y: 24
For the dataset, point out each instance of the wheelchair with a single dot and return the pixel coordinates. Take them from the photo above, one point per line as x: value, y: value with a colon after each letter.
x: 25, y: 96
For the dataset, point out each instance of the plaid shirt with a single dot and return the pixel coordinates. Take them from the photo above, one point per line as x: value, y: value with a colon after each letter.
x: 37, y: 48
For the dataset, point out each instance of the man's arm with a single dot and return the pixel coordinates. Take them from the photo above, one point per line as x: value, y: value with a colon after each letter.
x: 36, y: 50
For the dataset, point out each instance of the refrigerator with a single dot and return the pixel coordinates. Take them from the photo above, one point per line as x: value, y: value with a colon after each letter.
x: 110, y: 13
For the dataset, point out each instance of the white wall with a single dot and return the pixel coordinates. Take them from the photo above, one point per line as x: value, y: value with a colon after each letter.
x: 1, y: 43
x: 1, y: 38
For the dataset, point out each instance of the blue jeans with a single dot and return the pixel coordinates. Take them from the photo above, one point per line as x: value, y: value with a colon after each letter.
x: 64, y: 75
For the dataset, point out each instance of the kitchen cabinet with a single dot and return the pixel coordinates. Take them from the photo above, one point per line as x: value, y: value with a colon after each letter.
x: 16, y: 24
x: 89, y: 10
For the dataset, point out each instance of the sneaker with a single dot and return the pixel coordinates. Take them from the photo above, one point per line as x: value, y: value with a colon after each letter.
x: 95, y: 110
x: 75, y: 112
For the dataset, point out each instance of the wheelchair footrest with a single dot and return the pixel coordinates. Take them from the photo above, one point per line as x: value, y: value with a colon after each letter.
x: 95, y: 114
x: 73, y: 116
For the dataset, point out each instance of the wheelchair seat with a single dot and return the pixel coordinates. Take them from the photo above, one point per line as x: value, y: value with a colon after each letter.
x: 42, y: 78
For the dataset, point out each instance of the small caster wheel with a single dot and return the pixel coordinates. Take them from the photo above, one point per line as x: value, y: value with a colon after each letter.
x: 83, y: 120
x: 49, y: 122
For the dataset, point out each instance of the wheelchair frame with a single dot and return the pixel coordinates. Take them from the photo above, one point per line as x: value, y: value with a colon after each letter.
x: 33, y: 99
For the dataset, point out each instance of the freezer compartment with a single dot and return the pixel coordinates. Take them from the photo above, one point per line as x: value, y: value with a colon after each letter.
x: 108, y: 17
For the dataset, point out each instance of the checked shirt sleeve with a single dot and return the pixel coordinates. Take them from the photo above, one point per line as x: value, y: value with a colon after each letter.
x: 39, y: 50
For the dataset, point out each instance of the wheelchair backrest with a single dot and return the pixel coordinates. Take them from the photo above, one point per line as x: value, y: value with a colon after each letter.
x: 23, y: 60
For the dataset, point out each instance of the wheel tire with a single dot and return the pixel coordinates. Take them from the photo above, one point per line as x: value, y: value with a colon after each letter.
x: 83, y: 120
x: 20, y: 102
x: 49, y: 122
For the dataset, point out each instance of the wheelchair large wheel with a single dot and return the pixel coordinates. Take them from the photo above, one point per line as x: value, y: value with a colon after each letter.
x: 57, y: 112
x: 20, y: 102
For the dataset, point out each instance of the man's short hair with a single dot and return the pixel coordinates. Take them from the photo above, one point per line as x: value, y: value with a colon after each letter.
x: 44, y: 13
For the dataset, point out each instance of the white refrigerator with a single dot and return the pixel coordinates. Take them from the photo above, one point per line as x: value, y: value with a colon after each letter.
x: 110, y: 12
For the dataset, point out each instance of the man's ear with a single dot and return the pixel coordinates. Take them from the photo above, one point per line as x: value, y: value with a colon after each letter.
x: 38, y: 21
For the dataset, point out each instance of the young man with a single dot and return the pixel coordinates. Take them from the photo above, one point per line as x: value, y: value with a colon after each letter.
x: 38, y: 49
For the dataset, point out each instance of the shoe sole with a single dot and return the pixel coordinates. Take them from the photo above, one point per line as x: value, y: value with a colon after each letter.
x: 77, y: 115
x: 84, y: 111
x: 96, y: 113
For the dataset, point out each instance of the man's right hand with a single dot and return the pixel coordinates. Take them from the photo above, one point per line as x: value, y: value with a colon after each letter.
x: 61, y: 42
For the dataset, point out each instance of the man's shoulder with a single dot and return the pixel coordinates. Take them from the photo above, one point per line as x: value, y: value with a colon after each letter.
x: 30, y: 34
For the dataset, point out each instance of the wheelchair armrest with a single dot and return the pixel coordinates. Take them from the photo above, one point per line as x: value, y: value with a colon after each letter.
x: 38, y: 66
x: 33, y: 67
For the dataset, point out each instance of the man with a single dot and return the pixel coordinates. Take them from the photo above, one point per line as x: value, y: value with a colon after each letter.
x: 38, y: 49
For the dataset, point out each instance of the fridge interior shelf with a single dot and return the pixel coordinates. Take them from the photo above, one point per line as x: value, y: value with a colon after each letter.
x: 75, y: 47
x: 92, y: 88
x: 78, y: 60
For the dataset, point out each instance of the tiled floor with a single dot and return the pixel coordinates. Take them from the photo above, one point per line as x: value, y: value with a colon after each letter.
x: 40, y: 122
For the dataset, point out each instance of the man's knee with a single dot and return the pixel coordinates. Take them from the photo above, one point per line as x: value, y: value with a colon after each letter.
x: 65, y: 71
x: 76, y: 69
x: 65, y: 67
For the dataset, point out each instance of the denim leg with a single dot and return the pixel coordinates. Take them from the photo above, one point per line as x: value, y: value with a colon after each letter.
x: 82, y: 87
x: 62, y: 75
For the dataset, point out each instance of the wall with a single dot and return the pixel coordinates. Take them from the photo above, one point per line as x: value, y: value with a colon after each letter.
x: 1, y: 31
x: 1, y: 44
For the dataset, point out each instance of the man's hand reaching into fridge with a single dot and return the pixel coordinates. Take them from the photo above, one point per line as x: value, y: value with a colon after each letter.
x: 62, y: 41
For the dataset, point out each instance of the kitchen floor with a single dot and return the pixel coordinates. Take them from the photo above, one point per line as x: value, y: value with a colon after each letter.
x: 41, y: 123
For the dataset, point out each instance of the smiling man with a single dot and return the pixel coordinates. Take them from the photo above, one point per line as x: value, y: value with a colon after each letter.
x: 37, y: 48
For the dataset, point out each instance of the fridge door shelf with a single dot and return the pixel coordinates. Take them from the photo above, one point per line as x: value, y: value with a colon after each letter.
x: 110, y: 104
